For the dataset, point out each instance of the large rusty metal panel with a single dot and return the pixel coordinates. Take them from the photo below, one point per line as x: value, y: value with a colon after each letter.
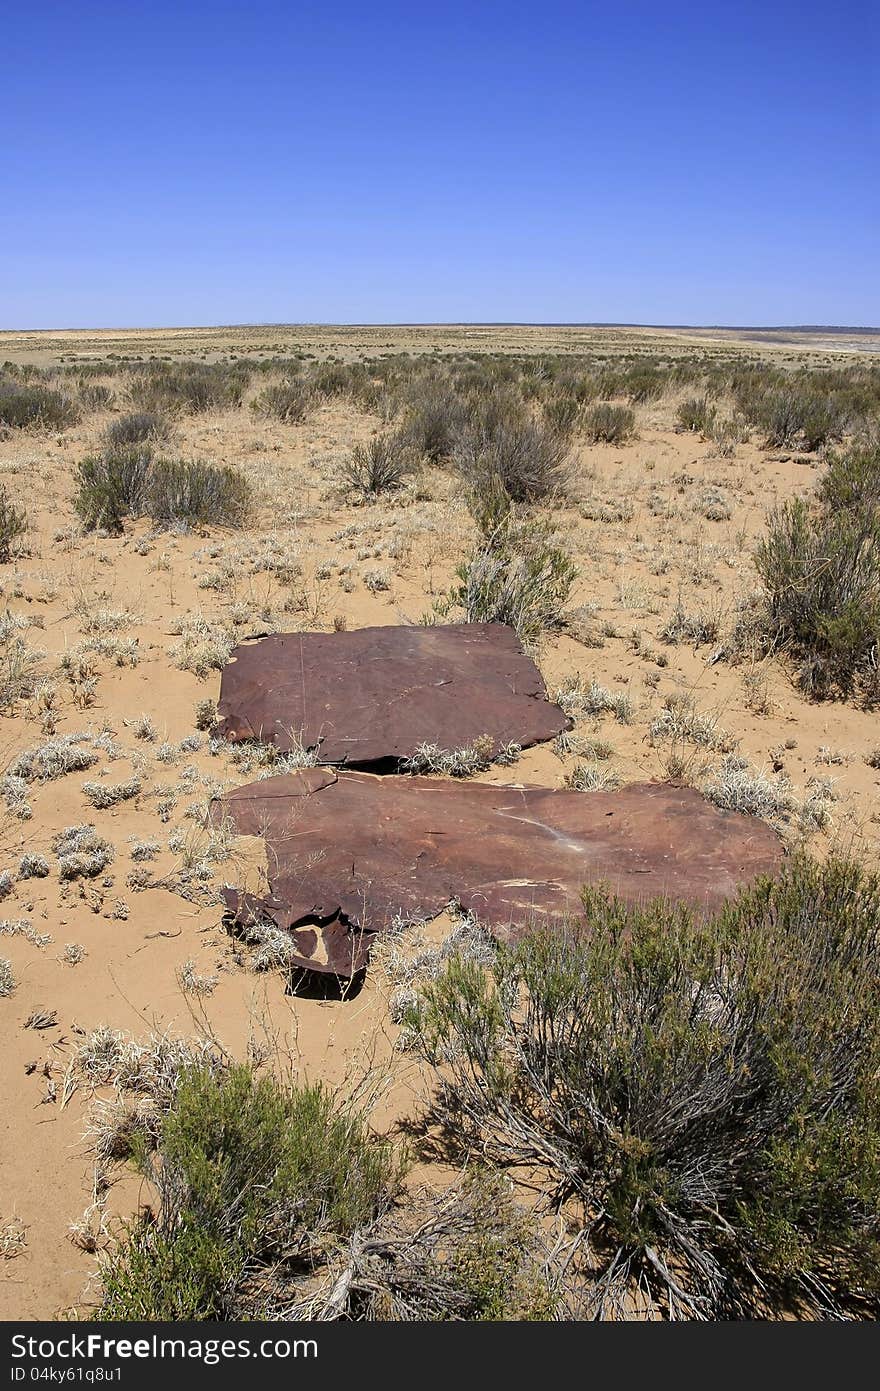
x: 371, y: 696
x: 349, y: 853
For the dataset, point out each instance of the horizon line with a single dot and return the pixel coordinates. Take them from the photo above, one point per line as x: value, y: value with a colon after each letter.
x: 452, y: 323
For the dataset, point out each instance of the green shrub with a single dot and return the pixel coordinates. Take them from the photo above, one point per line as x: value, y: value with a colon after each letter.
x: 706, y: 1093
x: 517, y: 574
x: 527, y: 458
x: 797, y: 415
x: 607, y: 424
x: 563, y: 414
x: 113, y: 486
x: 853, y: 478
x: 141, y: 427
x: 189, y: 386
x: 696, y: 415
x: 434, y: 417
x: 821, y: 573
x: 24, y: 405
x: 13, y: 525
x: 94, y: 396
x: 380, y: 466
x: 249, y: 1175
x: 287, y: 401
x: 128, y: 481
x: 183, y: 490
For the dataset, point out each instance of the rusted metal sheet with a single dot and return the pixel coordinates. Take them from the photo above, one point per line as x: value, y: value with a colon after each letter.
x: 349, y: 853
x: 370, y: 697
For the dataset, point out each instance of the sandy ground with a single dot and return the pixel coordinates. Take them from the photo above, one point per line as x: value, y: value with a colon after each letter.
x: 637, y: 527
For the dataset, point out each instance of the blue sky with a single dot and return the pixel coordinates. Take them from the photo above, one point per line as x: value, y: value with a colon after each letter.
x: 203, y: 163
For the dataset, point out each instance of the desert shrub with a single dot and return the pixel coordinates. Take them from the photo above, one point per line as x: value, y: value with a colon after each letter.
x: 140, y: 427
x: 13, y: 525
x: 563, y: 413
x: 518, y: 574
x: 434, y: 417
x: 184, y: 490
x: 95, y: 396
x: 607, y: 424
x: 189, y: 386
x: 379, y: 466
x: 113, y: 486
x: 697, y: 415
x: 528, y: 458
x: 852, y: 480
x: 644, y: 383
x: 781, y: 415
x: 335, y: 378
x: 821, y: 573
x: 727, y: 433
x: 706, y: 1093
x: 797, y: 415
x: 287, y: 401
x: 248, y: 1174
x: 26, y: 404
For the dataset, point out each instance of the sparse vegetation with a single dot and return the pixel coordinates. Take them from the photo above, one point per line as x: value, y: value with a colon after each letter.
x: 706, y: 1094
x: 248, y: 1174
x: 128, y: 481
x: 607, y: 424
x: 820, y: 566
x: 380, y: 466
x: 141, y: 427
x: 13, y: 525
x: 28, y: 405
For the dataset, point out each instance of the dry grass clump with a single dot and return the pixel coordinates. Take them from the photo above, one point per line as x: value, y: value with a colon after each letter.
x: 679, y: 720
x: 193, y: 982
x: 69, y: 753
x: 592, y: 777
x: 692, y: 627
x: 20, y: 665
x: 109, y: 794
x: 81, y: 852
x: 578, y: 699
x: 204, y: 646
x: 13, y: 1238
x: 736, y: 786
x: 473, y: 758
x: 7, y: 978
x: 13, y: 526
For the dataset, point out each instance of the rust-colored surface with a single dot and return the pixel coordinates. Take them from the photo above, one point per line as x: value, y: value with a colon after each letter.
x: 373, y: 695
x: 350, y: 852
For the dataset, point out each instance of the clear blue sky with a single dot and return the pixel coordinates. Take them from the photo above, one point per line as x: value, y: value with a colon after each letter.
x: 664, y: 162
